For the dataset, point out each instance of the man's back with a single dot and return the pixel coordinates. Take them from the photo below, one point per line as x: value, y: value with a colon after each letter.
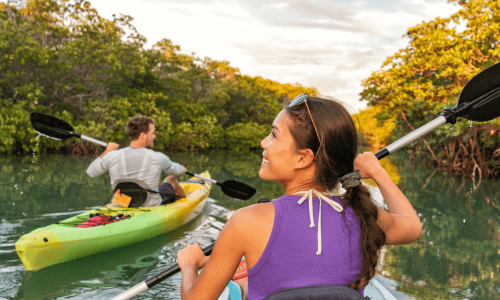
x: 136, y: 163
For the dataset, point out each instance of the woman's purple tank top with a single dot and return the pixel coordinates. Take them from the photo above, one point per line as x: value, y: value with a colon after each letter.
x: 290, y: 259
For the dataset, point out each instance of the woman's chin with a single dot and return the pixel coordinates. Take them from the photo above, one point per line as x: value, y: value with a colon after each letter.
x: 262, y: 174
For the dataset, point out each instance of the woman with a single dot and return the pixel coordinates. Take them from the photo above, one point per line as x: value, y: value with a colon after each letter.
x: 287, y: 243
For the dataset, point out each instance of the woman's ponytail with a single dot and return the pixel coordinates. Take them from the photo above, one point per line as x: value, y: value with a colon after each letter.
x: 372, y: 236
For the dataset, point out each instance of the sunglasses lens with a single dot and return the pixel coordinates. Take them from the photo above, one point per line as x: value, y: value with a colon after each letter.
x: 297, y: 100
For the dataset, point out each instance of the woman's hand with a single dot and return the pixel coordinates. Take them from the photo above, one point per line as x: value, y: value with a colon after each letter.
x: 401, y: 224
x: 192, y: 255
x: 368, y: 164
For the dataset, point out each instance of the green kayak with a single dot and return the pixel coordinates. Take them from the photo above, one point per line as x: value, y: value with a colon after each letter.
x: 64, y: 241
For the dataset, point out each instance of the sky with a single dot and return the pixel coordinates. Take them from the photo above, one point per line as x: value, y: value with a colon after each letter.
x: 332, y: 45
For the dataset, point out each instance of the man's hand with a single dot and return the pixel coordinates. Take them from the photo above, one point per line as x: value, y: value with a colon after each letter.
x: 109, y: 148
x: 185, y: 170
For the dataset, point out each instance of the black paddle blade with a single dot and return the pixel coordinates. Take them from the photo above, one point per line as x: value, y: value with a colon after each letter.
x: 237, y: 189
x: 50, y: 126
x: 479, y: 100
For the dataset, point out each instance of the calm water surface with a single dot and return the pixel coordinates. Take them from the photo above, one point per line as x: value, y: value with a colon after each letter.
x: 458, y: 256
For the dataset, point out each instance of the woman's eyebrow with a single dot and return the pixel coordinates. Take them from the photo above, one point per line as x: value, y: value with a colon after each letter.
x: 274, y: 127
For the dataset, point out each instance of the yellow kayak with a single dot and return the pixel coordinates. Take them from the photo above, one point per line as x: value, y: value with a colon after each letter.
x: 64, y: 241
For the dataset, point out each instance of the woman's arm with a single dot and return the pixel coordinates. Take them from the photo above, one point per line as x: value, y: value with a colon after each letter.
x: 218, y: 269
x: 401, y: 224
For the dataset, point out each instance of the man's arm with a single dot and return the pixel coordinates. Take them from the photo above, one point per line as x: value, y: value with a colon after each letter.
x: 170, y: 167
x: 97, y: 168
x: 109, y: 148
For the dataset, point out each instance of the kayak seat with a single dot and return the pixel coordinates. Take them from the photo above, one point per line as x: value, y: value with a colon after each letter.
x: 138, y: 194
x: 134, y: 188
x: 318, y: 292
x: 137, y: 190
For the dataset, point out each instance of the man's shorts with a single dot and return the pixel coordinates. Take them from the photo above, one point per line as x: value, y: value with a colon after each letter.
x: 167, y: 193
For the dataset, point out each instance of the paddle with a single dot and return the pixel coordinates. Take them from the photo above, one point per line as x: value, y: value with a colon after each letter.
x: 154, y: 280
x: 479, y: 101
x: 57, y: 129
x: 60, y: 130
x: 231, y: 188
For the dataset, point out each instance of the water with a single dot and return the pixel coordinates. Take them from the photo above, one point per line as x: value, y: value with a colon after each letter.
x: 458, y: 256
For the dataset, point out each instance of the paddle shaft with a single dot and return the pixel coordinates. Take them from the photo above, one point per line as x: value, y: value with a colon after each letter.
x: 89, y: 139
x: 204, y: 178
x: 154, y: 280
x: 412, y: 136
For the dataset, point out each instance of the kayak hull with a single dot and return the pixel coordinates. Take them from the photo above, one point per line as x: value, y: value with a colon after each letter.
x: 63, y: 241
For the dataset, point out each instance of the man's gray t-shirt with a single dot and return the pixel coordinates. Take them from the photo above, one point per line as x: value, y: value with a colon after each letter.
x: 136, y: 163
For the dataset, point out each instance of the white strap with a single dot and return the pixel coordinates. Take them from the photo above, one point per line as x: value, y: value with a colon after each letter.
x: 333, y: 204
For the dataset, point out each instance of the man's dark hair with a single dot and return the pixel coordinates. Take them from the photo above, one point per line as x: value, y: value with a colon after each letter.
x: 136, y: 125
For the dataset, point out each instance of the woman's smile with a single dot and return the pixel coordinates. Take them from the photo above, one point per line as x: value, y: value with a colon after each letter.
x: 278, y: 147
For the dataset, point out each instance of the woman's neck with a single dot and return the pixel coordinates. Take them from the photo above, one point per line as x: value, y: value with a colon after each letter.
x: 302, y: 187
x: 302, y: 180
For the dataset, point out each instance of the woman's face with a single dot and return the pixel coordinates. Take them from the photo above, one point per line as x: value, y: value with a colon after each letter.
x: 278, y: 155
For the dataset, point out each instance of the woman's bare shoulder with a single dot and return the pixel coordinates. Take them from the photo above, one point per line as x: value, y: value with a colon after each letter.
x: 253, y: 214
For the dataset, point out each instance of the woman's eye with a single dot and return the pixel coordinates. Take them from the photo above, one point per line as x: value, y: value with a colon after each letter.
x: 272, y: 133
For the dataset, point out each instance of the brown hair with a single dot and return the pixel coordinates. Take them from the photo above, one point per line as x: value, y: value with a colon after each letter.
x: 334, y: 159
x: 136, y: 125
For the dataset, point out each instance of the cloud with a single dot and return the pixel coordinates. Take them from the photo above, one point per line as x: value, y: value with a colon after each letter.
x: 332, y: 45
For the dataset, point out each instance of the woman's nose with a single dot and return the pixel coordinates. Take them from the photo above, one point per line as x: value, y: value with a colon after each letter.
x: 263, y: 143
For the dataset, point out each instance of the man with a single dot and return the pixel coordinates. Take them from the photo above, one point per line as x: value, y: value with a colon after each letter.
x: 139, y: 162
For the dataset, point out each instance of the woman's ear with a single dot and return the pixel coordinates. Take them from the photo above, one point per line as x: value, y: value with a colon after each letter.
x: 305, y: 158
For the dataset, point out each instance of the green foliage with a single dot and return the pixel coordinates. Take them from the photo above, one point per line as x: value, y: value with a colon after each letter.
x: 202, y: 134
x: 63, y: 59
x: 419, y: 81
x: 246, y: 135
x: 14, y: 135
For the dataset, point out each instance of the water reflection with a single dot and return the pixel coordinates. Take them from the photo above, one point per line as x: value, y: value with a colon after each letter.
x: 59, y: 188
x: 457, y: 258
x: 458, y: 255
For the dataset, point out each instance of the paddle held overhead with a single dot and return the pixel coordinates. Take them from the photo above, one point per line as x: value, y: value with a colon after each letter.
x: 479, y: 101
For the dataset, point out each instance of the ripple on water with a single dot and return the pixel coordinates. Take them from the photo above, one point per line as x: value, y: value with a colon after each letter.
x: 7, y: 227
x: 106, y: 274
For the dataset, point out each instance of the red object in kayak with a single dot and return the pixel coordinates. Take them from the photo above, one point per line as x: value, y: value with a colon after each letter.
x: 98, y: 220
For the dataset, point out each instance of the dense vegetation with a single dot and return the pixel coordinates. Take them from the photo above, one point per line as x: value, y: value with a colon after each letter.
x: 415, y: 84
x: 63, y: 59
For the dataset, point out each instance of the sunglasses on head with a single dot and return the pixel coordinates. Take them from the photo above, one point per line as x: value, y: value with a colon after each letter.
x: 302, y: 99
